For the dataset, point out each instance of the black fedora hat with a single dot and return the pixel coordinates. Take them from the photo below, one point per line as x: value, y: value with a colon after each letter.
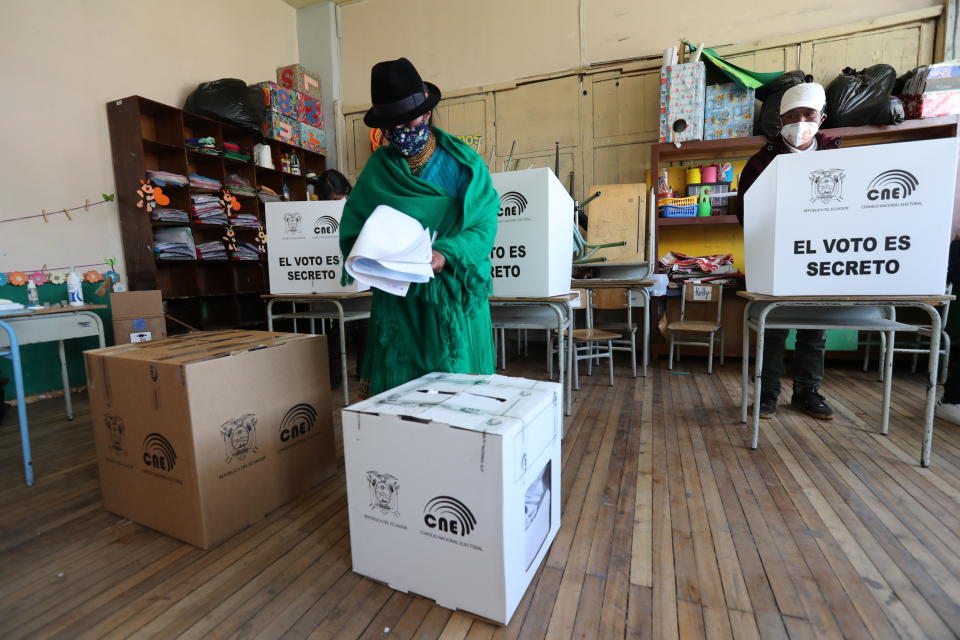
x: 398, y: 94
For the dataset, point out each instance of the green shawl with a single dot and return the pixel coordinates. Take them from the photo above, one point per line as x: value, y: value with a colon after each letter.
x: 429, y: 329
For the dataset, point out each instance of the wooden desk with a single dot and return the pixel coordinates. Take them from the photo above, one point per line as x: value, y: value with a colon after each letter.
x: 640, y: 287
x: 560, y: 318
x: 343, y: 307
x: 885, y: 323
x: 33, y: 326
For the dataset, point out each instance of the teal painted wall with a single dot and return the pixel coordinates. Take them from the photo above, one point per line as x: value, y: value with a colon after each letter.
x: 41, y: 365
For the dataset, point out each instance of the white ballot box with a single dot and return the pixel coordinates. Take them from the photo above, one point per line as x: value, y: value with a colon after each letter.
x: 303, y: 249
x: 533, y: 252
x: 453, y: 487
x: 871, y: 220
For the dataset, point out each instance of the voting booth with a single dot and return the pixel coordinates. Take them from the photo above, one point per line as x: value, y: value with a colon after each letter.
x: 453, y: 487
x: 533, y: 253
x: 871, y: 220
x: 304, y: 250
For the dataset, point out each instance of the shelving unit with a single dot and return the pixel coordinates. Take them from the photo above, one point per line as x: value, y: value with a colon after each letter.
x: 147, y: 135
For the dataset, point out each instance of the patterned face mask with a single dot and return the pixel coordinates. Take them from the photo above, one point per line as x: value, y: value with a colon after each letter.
x: 409, y: 141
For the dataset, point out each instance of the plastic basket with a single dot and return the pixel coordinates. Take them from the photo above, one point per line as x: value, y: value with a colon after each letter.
x: 672, y: 211
x: 677, y: 202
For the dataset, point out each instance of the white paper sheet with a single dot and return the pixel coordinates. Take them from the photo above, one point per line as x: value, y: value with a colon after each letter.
x: 392, y: 251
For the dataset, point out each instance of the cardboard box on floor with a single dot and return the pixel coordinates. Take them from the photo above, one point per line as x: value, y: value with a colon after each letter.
x: 453, y: 487
x: 200, y: 435
x: 137, y: 316
x: 871, y: 220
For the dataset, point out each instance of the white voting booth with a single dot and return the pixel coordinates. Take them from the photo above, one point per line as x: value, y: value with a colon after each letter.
x: 871, y: 220
x: 533, y: 253
x: 304, y: 247
x: 453, y: 487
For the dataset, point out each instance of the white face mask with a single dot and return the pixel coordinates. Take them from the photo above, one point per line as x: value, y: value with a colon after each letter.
x: 799, y: 134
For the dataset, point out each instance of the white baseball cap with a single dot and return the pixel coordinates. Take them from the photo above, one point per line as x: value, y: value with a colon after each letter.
x: 807, y: 94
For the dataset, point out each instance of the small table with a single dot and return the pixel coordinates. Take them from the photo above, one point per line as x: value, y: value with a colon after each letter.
x: 33, y: 326
x: 633, y: 286
x: 561, y: 313
x: 343, y: 307
x: 886, y: 324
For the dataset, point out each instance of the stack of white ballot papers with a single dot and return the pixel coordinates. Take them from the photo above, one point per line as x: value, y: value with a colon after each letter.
x: 391, y: 251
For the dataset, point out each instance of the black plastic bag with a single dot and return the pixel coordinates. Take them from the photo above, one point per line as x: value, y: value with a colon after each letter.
x: 768, y: 123
x: 902, y: 82
x: 229, y: 100
x: 856, y: 98
x: 892, y: 113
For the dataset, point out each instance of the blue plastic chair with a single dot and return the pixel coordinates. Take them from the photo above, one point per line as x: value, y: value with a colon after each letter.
x: 13, y: 353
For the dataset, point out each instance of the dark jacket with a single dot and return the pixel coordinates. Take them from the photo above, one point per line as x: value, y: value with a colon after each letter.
x: 761, y: 159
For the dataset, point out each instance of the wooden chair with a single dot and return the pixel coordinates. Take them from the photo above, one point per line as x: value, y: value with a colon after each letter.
x: 619, y: 299
x: 586, y: 341
x: 693, y: 293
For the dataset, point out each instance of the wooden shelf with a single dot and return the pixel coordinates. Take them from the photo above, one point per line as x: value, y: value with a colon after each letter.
x: 145, y: 134
x: 693, y: 221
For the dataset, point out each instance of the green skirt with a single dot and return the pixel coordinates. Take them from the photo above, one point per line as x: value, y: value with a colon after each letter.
x: 388, y: 364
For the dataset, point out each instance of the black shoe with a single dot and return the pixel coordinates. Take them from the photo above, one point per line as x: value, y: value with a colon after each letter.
x: 768, y: 404
x: 814, y: 404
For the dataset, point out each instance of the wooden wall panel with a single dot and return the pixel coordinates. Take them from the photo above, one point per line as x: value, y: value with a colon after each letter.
x: 627, y: 105
x: 537, y: 115
x: 899, y: 47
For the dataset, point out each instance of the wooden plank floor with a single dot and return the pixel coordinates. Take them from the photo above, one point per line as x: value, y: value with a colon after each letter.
x: 671, y: 528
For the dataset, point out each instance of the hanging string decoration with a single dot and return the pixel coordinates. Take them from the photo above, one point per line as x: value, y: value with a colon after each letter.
x: 57, y: 278
x: 150, y: 196
x: 93, y: 276
x: 17, y: 278
x: 58, y: 275
x: 261, y: 240
x: 39, y: 277
x: 106, y: 197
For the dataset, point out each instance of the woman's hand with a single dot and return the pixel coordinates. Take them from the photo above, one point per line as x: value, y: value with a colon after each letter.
x: 437, y: 262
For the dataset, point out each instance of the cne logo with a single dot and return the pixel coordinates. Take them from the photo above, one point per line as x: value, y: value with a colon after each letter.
x: 449, y: 515
x: 326, y: 226
x: 512, y: 203
x: 159, y: 453
x: 895, y: 184
x: 298, y: 421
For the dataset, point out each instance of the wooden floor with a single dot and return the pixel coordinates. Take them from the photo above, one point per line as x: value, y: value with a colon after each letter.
x: 671, y: 528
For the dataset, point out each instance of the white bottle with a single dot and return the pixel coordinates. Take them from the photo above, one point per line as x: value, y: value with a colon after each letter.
x: 74, y: 289
x: 33, y: 299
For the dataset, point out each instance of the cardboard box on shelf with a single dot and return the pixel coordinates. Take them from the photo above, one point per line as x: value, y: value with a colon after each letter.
x: 280, y: 99
x: 453, y: 487
x: 277, y: 126
x: 682, y: 102
x: 311, y: 138
x: 304, y: 254
x: 309, y: 110
x: 533, y: 251
x: 871, y: 220
x: 137, y: 316
x: 299, y: 78
x: 201, y: 435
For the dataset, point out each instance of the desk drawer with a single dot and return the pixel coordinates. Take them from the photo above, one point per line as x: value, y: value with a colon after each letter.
x: 36, y: 329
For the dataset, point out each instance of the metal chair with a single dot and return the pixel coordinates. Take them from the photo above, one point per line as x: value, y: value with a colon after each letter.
x: 694, y: 293
x: 586, y: 341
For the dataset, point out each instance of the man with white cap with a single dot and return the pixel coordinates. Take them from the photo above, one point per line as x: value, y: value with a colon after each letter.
x: 801, y: 114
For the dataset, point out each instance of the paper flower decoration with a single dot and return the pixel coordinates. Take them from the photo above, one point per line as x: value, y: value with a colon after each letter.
x: 3, y: 279
x: 39, y: 277
x: 18, y: 278
x: 57, y: 278
x: 92, y: 276
x: 112, y: 276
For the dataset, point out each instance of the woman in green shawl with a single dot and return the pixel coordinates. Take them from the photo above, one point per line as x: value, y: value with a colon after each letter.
x: 444, y: 324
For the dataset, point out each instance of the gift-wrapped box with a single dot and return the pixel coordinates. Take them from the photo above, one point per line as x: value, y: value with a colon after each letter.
x: 298, y: 78
x: 279, y: 99
x: 312, y: 138
x: 277, y: 126
x: 682, y: 102
x: 931, y: 105
x: 728, y: 112
x: 309, y: 110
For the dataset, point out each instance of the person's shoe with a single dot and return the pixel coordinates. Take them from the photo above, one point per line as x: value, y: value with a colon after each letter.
x: 949, y: 412
x: 768, y: 405
x: 814, y: 404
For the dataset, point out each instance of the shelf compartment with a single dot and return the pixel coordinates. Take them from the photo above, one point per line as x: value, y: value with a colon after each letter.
x: 696, y: 221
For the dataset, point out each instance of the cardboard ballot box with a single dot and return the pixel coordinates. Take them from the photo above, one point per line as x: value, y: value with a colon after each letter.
x: 453, y: 487
x: 533, y: 253
x: 137, y: 316
x: 304, y: 254
x: 860, y: 221
x: 200, y: 435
